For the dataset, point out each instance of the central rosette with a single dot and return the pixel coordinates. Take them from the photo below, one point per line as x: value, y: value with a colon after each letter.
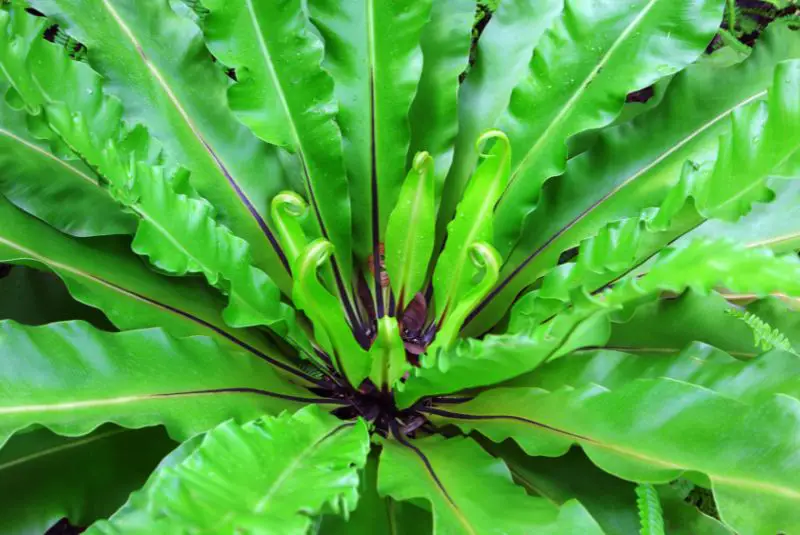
x: 409, y: 298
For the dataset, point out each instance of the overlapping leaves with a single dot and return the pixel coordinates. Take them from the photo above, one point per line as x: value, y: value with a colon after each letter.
x: 339, y: 102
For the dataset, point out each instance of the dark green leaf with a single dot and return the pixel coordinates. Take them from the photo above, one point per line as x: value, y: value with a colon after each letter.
x: 35, y: 297
x: 46, y: 477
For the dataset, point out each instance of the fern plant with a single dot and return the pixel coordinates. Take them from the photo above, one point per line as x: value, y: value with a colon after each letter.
x: 369, y: 290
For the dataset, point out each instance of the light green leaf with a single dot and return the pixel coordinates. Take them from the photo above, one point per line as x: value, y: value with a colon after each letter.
x: 286, y: 99
x: 324, y: 310
x: 583, y: 321
x: 775, y: 225
x: 152, y: 59
x: 654, y: 430
x: 773, y: 372
x: 64, y: 193
x: 757, y: 146
x: 470, y: 491
x: 667, y: 326
x: 410, y: 231
x: 445, y: 42
x: 16, y: 35
x: 636, y: 165
x: 388, y: 355
x: 487, y: 260
x: 496, y: 358
x: 178, y: 233
x: 650, y: 515
x: 99, y: 470
x: 74, y: 378
x: 105, y: 275
x: 473, y: 223
x: 372, y: 51
x: 501, y: 56
x: 268, y: 475
x: 580, y: 74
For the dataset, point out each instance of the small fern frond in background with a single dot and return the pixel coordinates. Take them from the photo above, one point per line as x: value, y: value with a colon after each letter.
x: 765, y: 336
x: 650, y: 517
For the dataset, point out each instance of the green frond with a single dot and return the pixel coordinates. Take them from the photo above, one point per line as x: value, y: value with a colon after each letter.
x: 765, y: 336
x: 650, y: 514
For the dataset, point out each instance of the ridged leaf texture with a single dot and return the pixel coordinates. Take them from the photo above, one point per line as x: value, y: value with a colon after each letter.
x: 265, y: 476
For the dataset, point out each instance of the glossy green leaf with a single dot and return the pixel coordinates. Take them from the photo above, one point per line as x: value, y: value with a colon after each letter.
x: 488, y: 261
x: 64, y: 193
x: 775, y: 225
x: 584, y: 322
x: 99, y: 470
x: 652, y: 431
x: 75, y: 378
x: 410, y: 231
x: 582, y: 70
x: 667, y: 326
x: 496, y: 358
x: 755, y: 148
x: 650, y: 515
x: 445, y: 42
x: 470, y: 491
x: 372, y: 51
x: 325, y: 312
x: 771, y: 373
x: 107, y: 276
x: 388, y: 354
x: 177, y: 233
x: 610, y: 500
x: 152, y: 59
x: 635, y: 165
x: 701, y: 266
x: 286, y: 99
x: 501, y: 56
x: 288, y: 209
x: 16, y: 35
x: 473, y: 223
x: 277, y: 472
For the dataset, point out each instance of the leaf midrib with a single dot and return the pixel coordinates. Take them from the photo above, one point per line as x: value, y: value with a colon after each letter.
x: 273, y: 74
x: 409, y: 262
x: 627, y: 452
x: 666, y: 154
x: 579, y: 91
x: 428, y: 466
x: 176, y: 104
x: 49, y: 156
x: 295, y: 463
x: 486, y: 207
x: 60, y: 448
x: 102, y: 282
